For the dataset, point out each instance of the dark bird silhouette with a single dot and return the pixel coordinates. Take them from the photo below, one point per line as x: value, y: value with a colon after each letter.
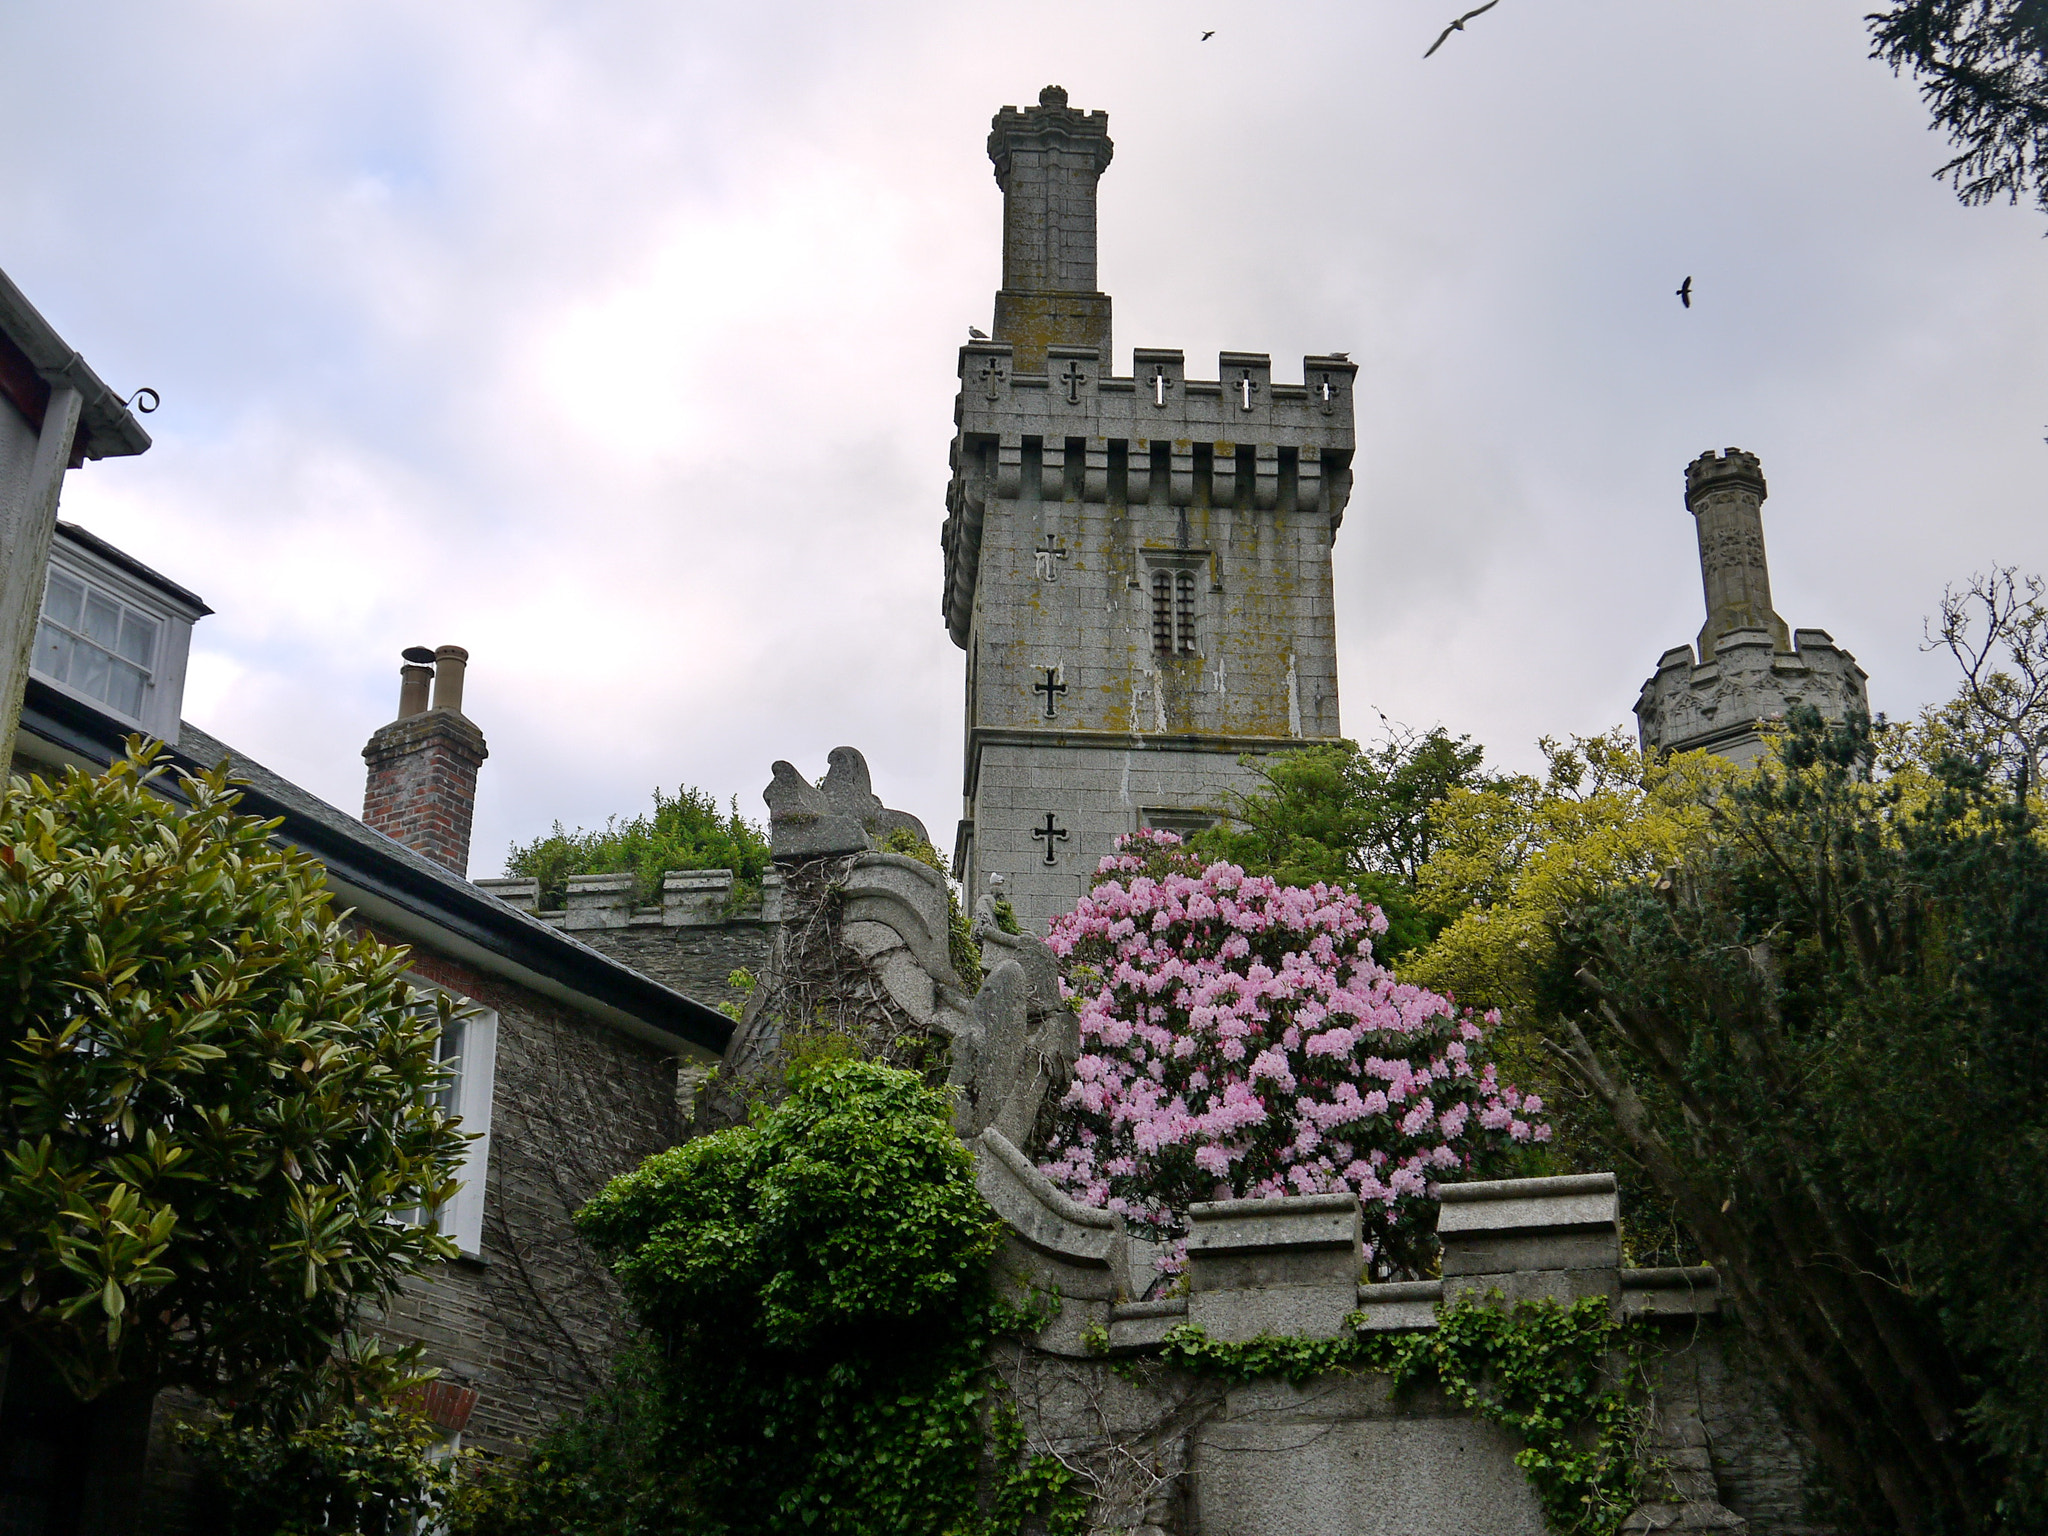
x: 1209, y: 34
x: 1685, y: 293
x: 975, y: 335
x: 1459, y: 25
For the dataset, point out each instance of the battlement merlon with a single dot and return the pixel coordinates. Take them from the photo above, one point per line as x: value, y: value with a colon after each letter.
x: 1047, y: 160
x: 1154, y: 438
x: 1076, y: 396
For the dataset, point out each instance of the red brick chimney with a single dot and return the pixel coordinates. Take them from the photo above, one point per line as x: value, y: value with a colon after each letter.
x: 422, y: 785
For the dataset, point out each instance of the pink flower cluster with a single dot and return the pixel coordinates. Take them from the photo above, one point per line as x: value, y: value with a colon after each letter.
x: 1238, y: 1040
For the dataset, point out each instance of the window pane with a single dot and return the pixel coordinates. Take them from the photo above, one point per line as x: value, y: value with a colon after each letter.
x: 450, y: 1054
x: 124, y: 687
x: 102, y: 619
x: 138, y: 638
x: 90, y: 670
x: 53, y: 651
x: 62, y: 600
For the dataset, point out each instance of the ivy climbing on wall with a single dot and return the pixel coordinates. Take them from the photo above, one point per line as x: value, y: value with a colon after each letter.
x: 1544, y: 1370
x: 818, y: 1286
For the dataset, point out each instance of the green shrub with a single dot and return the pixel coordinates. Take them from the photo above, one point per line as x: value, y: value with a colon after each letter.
x: 818, y: 1286
x: 686, y: 831
x: 217, y: 1104
x: 334, y: 1450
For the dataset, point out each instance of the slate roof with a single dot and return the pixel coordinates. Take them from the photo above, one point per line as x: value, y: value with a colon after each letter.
x: 396, y: 889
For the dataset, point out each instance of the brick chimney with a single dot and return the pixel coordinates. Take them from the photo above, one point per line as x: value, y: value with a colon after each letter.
x: 422, y: 783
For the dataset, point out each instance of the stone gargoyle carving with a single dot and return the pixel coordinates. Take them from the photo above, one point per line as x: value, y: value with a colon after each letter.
x: 866, y: 942
x: 839, y: 816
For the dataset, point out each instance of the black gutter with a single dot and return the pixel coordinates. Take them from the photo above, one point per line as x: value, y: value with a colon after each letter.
x: 389, y: 873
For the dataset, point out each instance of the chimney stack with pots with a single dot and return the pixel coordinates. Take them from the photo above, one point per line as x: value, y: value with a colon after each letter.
x: 422, y: 783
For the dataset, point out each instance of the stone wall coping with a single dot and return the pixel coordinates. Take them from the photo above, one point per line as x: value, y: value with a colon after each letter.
x: 1165, y: 1306
x: 1043, y: 1217
x: 580, y: 883
x: 697, y: 880
x: 1400, y: 1306
x: 1576, y: 1203
x: 1289, y: 1223
x: 1401, y: 1290
x: 1048, y: 1194
x: 1526, y: 1189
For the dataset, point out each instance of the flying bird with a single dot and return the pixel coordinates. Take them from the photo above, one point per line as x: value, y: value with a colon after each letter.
x: 977, y: 335
x: 1685, y: 293
x: 1209, y: 34
x: 1459, y: 25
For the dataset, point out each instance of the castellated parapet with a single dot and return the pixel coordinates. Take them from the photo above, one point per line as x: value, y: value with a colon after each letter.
x: 1137, y: 566
x: 1750, y: 667
x: 692, y: 939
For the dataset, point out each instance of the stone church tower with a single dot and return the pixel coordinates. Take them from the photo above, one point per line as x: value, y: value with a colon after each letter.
x: 1138, y: 568
x: 1750, y: 668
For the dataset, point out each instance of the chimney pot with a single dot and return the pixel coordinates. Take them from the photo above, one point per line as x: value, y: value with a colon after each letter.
x: 450, y: 663
x: 412, y: 689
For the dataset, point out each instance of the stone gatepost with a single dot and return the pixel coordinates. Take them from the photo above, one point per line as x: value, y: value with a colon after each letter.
x: 1531, y: 1238
x: 1286, y: 1267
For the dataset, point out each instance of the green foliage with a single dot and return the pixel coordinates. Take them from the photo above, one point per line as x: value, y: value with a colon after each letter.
x: 1514, y: 855
x: 1538, y: 1368
x: 593, y: 1473
x: 216, y: 1105
x: 742, y: 981
x: 1983, y: 69
x: 331, y: 1450
x: 1359, y: 818
x: 818, y: 1286
x: 1820, y: 1035
x: 960, y: 946
x: 686, y: 831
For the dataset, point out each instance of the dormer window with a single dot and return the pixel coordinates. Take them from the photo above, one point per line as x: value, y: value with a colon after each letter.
x: 97, y: 644
x: 114, y: 633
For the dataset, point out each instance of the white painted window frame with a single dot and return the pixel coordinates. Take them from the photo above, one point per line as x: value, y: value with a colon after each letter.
x: 461, y: 1216
x: 164, y: 694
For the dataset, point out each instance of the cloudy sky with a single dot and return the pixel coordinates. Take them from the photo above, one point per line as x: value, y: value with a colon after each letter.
x: 615, y: 340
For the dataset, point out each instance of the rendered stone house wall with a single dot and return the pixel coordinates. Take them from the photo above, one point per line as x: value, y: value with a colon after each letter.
x: 534, y: 1321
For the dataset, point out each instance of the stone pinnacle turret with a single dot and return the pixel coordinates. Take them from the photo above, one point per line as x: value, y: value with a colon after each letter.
x: 1725, y: 495
x: 1751, y: 666
x: 1048, y: 159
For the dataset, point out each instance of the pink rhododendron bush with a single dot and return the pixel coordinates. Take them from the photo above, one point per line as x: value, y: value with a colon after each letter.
x: 1238, y: 1040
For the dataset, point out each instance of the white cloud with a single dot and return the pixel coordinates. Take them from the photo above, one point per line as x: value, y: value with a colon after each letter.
x: 616, y: 343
